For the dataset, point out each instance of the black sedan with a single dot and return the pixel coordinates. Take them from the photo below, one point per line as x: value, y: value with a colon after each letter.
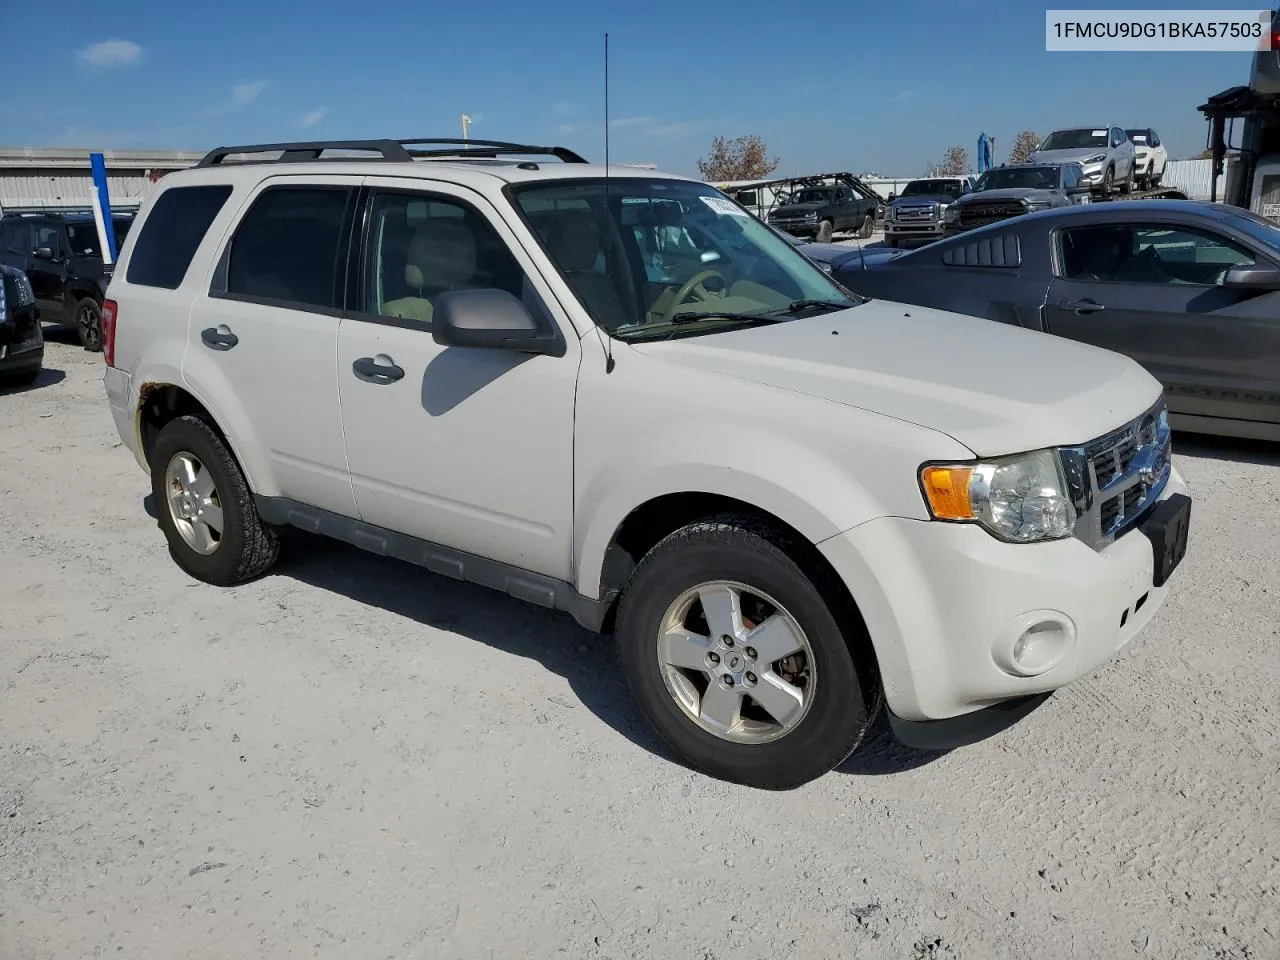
x: 1190, y: 290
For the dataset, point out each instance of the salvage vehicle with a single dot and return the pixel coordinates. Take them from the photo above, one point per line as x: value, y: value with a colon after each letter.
x: 787, y: 502
x: 1105, y: 154
x: 1011, y: 190
x: 919, y: 212
x: 62, y: 257
x: 1151, y: 157
x: 818, y: 205
x: 824, y: 209
x: 1190, y: 290
x: 21, y: 339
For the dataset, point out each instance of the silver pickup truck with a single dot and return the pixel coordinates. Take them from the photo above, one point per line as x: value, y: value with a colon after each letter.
x: 919, y: 211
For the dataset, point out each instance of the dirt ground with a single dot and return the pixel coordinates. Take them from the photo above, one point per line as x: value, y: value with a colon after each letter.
x: 354, y: 759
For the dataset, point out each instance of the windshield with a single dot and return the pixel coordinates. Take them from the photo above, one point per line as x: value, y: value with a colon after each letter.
x: 1137, y: 136
x: 1012, y: 178
x: 1075, y: 139
x: 83, y: 236
x: 950, y: 188
x: 664, y: 252
x: 1265, y: 231
x: 811, y: 196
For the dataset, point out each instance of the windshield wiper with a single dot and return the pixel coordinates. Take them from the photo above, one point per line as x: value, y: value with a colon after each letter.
x: 797, y: 305
x: 693, y: 316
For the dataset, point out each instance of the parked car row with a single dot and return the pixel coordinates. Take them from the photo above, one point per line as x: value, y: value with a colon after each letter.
x: 61, y: 256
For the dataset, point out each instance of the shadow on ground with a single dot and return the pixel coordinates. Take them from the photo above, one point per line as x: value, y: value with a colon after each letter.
x: 587, y: 661
x: 46, y: 378
x: 1226, y: 448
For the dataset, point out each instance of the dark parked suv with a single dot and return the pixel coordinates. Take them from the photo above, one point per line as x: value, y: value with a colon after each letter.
x: 62, y: 257
x: 21, y: 342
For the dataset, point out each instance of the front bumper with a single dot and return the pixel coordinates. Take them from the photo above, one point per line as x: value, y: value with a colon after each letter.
x: 797, y: 228
x: 1092, y: 175
x: 914, y: 228
x: 939, y: 599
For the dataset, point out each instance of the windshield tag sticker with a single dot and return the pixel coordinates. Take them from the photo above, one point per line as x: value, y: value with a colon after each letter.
x: 1099, y: 133
x: 724, y: 207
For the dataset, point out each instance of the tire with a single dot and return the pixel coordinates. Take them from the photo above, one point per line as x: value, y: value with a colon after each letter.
x: 721, y: 554
x: 868, y: 226
x: 244, y: 547
x: 1126, y: 188
x: 1108, y: 182
x: 825, y: 229
x: 1153, y: 181
x: 87, y: 316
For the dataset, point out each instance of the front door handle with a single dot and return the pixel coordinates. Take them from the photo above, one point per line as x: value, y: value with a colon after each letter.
x: 379, y: 369
x: 1084, y: 306
x: 219, y: 338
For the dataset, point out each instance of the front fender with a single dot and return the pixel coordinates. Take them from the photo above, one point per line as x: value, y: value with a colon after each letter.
x: 799, y: 470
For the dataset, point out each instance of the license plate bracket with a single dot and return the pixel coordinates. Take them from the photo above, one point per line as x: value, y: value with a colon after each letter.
x: 1167, y: 529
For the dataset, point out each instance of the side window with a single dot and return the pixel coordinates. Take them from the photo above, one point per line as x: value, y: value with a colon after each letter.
x: 16, y: 238
x: 171, y: 234
x: 287, y: 250
x: 1151, y: 253
x: 748, y: 198
x: 46, y: 235
x: 1153, y: 138
x: 421, y: 247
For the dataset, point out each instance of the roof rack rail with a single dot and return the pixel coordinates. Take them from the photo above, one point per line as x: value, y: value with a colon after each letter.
x: 395, y: 151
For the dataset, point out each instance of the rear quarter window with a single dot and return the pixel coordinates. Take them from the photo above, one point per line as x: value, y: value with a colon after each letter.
x: 172, y: 233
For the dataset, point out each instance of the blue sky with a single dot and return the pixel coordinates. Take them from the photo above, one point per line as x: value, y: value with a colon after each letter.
x: 883, y: 87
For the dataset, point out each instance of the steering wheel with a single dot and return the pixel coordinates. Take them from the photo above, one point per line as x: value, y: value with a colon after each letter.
x: 694, y: 283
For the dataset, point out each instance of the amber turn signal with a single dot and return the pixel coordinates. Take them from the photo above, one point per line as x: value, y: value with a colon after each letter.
x: 947, y: 490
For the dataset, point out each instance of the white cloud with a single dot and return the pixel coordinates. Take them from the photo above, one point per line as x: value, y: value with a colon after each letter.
x: 622, y: 123
x: 682, y: 128
x: 566, y: 128
x: 563, y: 109
x: 108, y: 54
x: 243, y: 93
x: 312, y: 117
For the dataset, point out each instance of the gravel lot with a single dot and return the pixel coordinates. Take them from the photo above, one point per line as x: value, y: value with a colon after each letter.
x: 354, y: 759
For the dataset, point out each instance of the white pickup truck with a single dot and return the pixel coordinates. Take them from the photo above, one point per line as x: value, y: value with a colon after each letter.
x: 620, y: 395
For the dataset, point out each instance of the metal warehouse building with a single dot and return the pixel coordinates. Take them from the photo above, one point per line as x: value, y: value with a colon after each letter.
x: 58, y: 179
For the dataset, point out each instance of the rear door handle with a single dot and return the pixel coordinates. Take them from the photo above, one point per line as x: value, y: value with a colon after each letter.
x: 379, y: 369
x: 219, y: 338
x: 1084, y: 306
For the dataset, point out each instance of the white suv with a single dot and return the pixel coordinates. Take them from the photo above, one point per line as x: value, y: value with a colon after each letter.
x: 620, y: 395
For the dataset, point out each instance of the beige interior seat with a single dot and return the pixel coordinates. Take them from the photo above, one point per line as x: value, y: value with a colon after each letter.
x: 441, y: 256
x: 574, y: 240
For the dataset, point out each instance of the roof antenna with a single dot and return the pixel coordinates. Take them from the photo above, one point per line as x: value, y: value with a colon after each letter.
x: 607, y: 343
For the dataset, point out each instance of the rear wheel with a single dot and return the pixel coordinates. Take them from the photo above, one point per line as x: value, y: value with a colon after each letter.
x: 734, y: 656
x: 1153, y: 181
x: 868, y: 226
x: 205, y: 507
x: 88, y: 317
x: 825, y: 230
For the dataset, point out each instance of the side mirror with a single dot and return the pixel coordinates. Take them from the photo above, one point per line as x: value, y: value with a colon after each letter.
x: 44, y: 253
x: 893, y: 197
x: 1080, y: 188
x: 487, y: 318
x: 1252, y: 277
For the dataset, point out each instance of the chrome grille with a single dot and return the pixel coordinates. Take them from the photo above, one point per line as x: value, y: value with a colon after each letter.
x: 1117, y: 477
x: 928, y: 212
x: 978, y: 213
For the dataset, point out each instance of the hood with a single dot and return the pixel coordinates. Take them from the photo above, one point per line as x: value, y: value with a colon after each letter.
x: 995, y: 388
x: 832, y: 253
x: 791, y: 209
x: 942, y: 198
x: 1009, y: 193
x: 1067, y: 155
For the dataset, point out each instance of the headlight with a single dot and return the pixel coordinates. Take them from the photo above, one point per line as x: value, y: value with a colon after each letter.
x: 1020, y: 499
x: 951, y: 215
x: 1039, y: 204
x: 1096, y: 158
x: 888, y: 213
x: 811, y: 215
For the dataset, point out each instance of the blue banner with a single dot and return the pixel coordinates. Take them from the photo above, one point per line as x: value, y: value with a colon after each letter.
x: 103, y: 211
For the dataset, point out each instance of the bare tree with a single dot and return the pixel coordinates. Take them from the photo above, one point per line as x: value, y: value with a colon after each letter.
x: 955, y: 163
x: 1024, y: 144
x: 742, y: 158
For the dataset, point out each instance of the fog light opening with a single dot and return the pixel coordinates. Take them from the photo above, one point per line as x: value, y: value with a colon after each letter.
x: 1035, y: 643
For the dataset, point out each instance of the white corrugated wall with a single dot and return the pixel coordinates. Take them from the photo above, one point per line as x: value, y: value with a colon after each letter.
x: 1192, y: 177
x: 55, y: 188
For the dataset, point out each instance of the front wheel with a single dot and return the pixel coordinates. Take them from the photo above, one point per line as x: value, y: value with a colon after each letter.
x: 825, y: 230
x: 88, y: 317
x: 735, y: 658
x: 205, y: 507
